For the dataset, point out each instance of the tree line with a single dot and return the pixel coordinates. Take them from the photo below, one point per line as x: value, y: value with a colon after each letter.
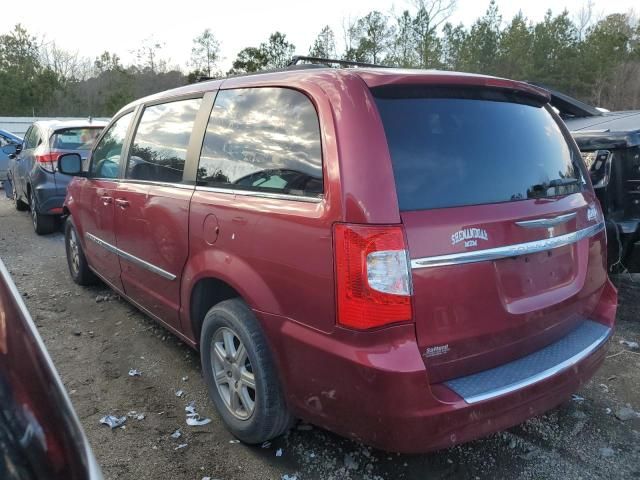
x: 594, y: 59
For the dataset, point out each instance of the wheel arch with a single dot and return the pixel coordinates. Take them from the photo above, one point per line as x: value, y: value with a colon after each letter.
x: 204, y: 286
x: 206, y: 293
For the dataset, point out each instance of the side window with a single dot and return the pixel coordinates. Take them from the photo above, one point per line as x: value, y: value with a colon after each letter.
x: 105, y: 160
x: 160, y: 143
x: 31, y: 137
x: 264, y: 140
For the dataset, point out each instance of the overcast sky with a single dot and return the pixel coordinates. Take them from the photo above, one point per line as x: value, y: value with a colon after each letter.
x: 120, y: 26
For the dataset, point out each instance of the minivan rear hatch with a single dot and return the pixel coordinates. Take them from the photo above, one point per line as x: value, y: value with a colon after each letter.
x: 504, y: 233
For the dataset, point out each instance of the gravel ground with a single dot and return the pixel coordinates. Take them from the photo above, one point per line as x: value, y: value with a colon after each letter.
x: 95, y: 339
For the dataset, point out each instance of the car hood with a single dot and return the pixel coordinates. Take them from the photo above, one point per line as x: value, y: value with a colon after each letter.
x: 610, y: 130
x: 625, y: 120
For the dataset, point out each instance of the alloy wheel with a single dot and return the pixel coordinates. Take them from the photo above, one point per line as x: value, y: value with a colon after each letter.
x: 233, y: 373
x: 74, y: 252
x: 32, y: 206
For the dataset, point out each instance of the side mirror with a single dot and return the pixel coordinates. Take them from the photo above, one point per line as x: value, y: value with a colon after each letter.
x: 10, y: 149
x: 70, y: 164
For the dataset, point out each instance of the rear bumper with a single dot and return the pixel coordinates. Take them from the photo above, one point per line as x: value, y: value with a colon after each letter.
x: 374, y: 387
x: 49, y: 200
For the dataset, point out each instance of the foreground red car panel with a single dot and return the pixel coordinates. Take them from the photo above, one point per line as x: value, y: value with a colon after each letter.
x: 40, y: 435
x: 411, y: 259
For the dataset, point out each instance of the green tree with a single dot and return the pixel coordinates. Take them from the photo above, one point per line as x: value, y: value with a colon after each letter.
x: 609, y: 44
x: 26, y: 86
x: 516, y: 46
x: 554, y: 54
x: 249, y: 60
x: 373, y: 38
x: 403, y: 47
x: 453, y: 42
x: 205, y: 52
x: 324, y: 46
x: 277, y: 50
x: 107, y: 62
x: 481, y: 47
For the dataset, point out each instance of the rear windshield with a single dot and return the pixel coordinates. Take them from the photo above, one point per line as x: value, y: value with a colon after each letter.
x: 74, y: 138
x: 474, y: 149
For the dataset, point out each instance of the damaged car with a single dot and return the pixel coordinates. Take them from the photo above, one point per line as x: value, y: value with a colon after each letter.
x: 610, y: 146
x: 368, y: 250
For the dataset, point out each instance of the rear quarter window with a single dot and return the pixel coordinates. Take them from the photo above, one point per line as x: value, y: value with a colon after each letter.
x: 263, y: 140
x: 472, y: 149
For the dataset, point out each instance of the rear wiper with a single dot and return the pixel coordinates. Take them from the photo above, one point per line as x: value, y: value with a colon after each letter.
x: 557, y: 182
x: 539, y: 189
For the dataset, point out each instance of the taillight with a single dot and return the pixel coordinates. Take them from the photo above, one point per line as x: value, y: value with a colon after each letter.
x: 373, y: 276
x: 47, y: 161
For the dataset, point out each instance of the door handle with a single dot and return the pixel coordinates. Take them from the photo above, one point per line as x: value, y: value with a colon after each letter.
x: 122, y: 203
x: 106, y: 200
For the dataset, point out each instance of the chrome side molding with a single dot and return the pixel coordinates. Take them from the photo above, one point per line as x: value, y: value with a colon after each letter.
x: 131, y: 258
x: 507, y: 251
x: 546, y: 222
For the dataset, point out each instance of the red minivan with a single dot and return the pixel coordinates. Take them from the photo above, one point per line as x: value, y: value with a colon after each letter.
x: 409, y: 258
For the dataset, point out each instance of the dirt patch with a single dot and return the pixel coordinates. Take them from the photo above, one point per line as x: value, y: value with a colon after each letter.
x: 95, y: 341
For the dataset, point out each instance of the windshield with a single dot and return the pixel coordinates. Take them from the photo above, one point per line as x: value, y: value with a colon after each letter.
x: 449, y: 152
x: 74, y: 138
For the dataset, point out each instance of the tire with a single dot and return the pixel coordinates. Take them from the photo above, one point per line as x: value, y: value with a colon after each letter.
x: 269, y: 416
x: 76, y: 261
x: 42, y: 224
x: 17, y: 203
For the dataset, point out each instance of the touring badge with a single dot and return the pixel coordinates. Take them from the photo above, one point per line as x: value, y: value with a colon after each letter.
x: 469, y: 236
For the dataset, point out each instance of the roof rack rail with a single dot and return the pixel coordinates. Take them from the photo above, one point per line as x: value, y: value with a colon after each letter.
x: 343, y: 63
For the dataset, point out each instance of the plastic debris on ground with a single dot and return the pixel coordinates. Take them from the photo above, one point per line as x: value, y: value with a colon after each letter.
x: 607, y: 452
x: 197, y: 421
x: 266, y: 445
x: 625, y: 413
x: 577, y: 398
x: 134, y: 372
x: 176, y: 434
x: 286, y: 476
x: 179, y: 393
x: 234, y: 441
x: 136, y: 415
x: 193, y: 418
x: 279, y: 452
x: 185, y: 378
x: 631, y: 345
x: 112, y: 421
x: 181, y: 446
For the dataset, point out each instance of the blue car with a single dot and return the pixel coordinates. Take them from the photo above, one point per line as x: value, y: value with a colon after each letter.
x: 7, y: 139
x: 37, y: 185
